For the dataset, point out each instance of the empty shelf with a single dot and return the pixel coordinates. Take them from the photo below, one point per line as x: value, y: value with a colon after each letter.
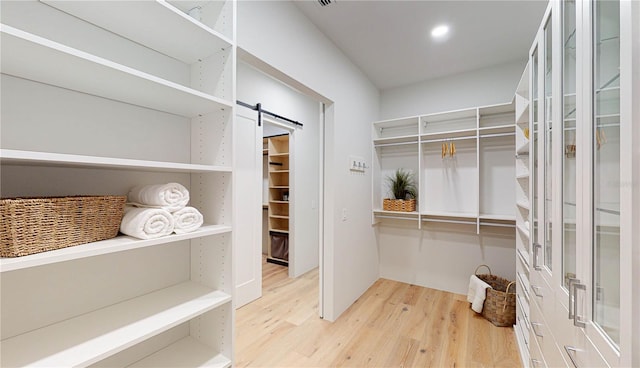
x: 28, y: 56
x: 91, y: 337
x: 186, y: 352
x: 163, y: 27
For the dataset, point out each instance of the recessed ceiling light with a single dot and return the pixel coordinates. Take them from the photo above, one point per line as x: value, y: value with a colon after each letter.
x: 439, y: 31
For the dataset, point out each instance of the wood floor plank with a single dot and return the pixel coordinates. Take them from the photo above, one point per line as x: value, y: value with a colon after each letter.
x: 392, y: 324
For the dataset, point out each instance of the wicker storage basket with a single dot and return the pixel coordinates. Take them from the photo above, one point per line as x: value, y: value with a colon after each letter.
x: 402, y: 205
x: 500, y: 304
x: 34, y: 225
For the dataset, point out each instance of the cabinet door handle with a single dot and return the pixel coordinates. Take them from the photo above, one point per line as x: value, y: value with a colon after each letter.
x: 571, y: 296
x: 571, y: 351
x: 535, y: 330
x: 536, y: 246
x: 576, y: 319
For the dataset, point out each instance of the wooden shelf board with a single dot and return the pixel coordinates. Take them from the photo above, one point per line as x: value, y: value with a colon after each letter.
x: 279, y: 231
x: 186, y: 352
x: 278, y: 171
x: 117, y: 244
x: 279, y: 154
x: 91, y: 337
x: 163, y: 27
x: 279, y: 187
x: 17, y: 157
x: 279, y: 217
x: 273, y: 201
x: 28, y: 56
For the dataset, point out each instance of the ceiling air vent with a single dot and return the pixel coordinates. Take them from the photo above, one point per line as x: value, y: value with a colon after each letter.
x: 324, y: 2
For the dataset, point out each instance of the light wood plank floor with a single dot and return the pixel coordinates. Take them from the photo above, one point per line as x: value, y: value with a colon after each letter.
x: 392, y: 325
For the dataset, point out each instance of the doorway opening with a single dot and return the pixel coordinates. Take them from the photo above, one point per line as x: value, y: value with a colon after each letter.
x: 276, y: 187
x: 290, y: 183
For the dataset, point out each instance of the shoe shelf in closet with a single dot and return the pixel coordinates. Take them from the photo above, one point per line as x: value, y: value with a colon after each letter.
x: 120, y: 301
x: 395, y: 146
x: 522, y: 211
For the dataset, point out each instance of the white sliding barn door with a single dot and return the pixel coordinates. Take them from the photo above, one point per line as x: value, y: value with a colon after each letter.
x: 247, y: 195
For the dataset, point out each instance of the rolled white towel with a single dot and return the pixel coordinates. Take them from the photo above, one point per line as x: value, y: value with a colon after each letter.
x: 477, y: 293
x: 187, y: 220
x: 171, y: 196
x: 146, y: 223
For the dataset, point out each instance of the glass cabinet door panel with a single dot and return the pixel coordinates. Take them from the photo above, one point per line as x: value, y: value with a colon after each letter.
x: 569, y: 140
x: 548, y: 143
x: 534, y: 149
x: 606, y: 168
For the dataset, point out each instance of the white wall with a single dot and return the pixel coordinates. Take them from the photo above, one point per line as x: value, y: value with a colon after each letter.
x: 443, y: 256
x: 256, y: 87
x: 276, y: 33
x: 488, y: 86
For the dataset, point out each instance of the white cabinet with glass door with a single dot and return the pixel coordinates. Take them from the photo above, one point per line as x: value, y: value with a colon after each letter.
x: 585, y: 185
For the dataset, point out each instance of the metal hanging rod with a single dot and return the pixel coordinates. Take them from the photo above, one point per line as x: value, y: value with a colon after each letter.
x: 449, y: 221
x: 448, y: 139
x: 395, y: 144
x: 408, y: 126
x: 258, y: 107
x: 497, y: 135
x: 497, y: 224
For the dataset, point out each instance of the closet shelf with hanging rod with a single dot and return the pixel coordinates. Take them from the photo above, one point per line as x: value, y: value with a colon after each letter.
x: 457, y: 184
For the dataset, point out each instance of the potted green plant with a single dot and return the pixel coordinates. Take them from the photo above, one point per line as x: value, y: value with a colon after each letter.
x: 402, y: 185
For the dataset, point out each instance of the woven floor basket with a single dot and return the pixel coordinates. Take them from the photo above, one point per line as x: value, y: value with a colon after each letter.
x: 402, y: 205
x: 34, y: 225
x: 500, y: 303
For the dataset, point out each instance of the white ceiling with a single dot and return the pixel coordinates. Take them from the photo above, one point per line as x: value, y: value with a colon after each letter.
x: 391, y: 43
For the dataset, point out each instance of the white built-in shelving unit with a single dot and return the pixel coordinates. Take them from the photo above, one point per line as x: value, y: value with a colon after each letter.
x: 98, y: 97
x: 472, y: 187
x: 279, y: 182
x: 523, y: 219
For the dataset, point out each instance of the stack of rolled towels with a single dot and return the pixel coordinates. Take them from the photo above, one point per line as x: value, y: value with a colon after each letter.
x: 158, y: 210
